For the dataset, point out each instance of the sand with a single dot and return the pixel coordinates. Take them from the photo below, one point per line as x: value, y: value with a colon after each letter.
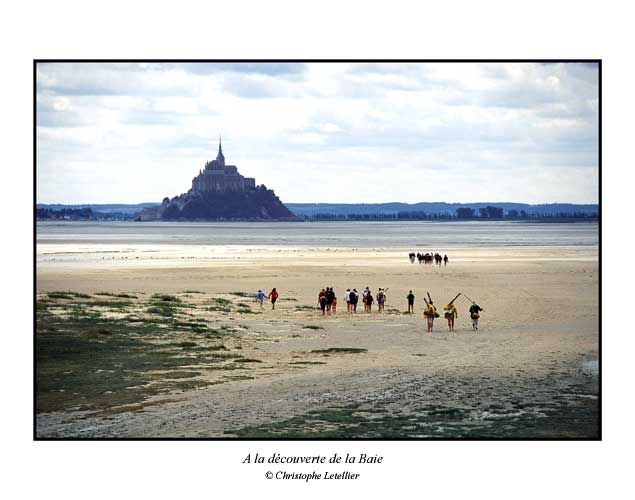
x: 530, y: 365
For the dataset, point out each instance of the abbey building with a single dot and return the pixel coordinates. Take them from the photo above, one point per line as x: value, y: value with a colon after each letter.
x: 218, y: 177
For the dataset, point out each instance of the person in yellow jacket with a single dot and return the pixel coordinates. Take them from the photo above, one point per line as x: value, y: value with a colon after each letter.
x: 430, y: 312
x: 450, y: 314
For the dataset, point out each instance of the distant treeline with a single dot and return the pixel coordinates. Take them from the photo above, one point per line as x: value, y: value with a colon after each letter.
x: 366, y: 211
x: 483, y: 213
x: 438, y: 208
x: 64, y: 213
x: 77, y: 214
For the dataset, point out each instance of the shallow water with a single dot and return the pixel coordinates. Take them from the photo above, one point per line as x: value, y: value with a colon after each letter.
x: 415, y: 234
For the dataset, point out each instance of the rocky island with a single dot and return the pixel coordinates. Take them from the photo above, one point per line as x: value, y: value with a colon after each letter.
x: 219, y: 193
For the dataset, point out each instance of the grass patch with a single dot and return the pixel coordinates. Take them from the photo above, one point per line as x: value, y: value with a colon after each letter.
x: 305, y: 308
x: 221, y: 301
x: 216, y: 347
x: 118, y: 295
x: 104, y: 365
x: 219, y: 309
x: 247, y: 360
x: 113, y: 304
x: 166, y: 298
x: 165, y: 305
x: 307, y: 363
x: 185, y: 345
x: 242, y: 294
x: 343, y: 350
x: 244, y: 310
x: 68, y: 295
x: 192, y: 291
x: 166, y: 312
x: 313, y: 327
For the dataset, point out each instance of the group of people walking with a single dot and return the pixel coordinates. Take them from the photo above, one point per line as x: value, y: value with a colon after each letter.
x: 428, y: 258
x: 450, y: 312
x: 327, y: 302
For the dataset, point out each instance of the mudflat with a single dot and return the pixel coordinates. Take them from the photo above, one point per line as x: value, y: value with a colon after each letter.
x: 171, y: 343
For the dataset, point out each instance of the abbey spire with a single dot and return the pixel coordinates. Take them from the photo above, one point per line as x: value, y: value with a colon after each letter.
x: 220, y: 158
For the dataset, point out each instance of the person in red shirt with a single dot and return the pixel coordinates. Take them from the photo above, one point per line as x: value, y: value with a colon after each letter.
x: 273, y: 295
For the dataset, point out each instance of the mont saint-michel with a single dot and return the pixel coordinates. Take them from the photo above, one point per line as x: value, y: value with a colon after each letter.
x: 219, y: 192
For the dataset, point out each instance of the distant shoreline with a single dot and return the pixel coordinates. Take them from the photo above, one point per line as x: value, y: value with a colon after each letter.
x: 425, y: 211
x: 531, y: 220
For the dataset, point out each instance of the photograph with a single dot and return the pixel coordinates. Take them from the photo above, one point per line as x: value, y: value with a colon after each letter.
x: 281, y: 249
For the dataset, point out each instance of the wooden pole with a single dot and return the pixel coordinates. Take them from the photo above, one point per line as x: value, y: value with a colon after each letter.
x: 457, y: 296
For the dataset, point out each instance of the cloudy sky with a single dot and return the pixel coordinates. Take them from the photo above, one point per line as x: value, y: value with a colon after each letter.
x: 130, y: 133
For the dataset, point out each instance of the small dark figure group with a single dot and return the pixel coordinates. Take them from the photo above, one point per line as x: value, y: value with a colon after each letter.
x: 428, y: 258
x: 327, y: 301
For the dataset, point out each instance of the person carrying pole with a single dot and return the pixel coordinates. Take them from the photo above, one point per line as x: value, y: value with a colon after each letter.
x: 450, y: 312
x: 475, y: 309
x: 430, y: 312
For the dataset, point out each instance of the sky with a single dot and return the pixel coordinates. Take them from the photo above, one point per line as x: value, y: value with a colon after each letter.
x: 320, y: 132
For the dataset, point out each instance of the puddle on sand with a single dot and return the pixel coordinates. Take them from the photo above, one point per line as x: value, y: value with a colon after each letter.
x: 591, y: 366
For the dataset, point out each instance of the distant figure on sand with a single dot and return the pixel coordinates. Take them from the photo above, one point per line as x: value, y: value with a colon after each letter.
x: 381, y: 299
x: 334, y: 303
x: 330, y: 298
x: 411, y: 302
x: 364, y: 296
x: 475, y: 309
x: 260, y: 297
x: 445, y: 260
x: 430, y: 312
x: 450, y: 314
x: 354, y: 298
x: 273, y: 295
x: 368, y: 300
x: 348, y: 300
x: 322, y: 300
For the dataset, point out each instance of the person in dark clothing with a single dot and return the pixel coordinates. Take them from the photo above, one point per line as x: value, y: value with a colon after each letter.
x: 330, y: 296
x: 354, y: 298
x: 411, y: 302
x: 368, y: 300
x: 475, y: 309
x: 322, y: 300
x: 323, y: 304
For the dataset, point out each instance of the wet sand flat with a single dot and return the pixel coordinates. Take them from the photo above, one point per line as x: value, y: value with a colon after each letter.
x: 525, y: 373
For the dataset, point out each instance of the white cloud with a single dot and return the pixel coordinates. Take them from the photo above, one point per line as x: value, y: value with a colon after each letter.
x: 321, y: 132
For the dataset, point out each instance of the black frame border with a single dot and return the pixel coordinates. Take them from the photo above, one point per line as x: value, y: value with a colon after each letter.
x: 378, y: 61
